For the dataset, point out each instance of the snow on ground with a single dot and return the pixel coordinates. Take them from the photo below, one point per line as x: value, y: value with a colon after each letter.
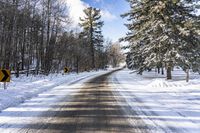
x: 41, y: 110
x: 23, y: 88
x: 166, y: 106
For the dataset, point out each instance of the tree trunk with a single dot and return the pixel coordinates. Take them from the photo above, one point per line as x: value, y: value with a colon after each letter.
x: 17, y: 72
x: 77, y: 64
x: 187, y: 75
x: 169, y: 72
x: 47, y: 54
x: 92, y: 49
x: 158, y: 70
x: 162, y: 70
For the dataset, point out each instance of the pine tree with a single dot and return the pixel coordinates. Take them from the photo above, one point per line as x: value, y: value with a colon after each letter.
x: 92, y: 25
x: 163, y: 33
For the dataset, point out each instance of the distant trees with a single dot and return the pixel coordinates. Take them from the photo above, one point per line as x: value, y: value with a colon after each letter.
x: 163, y: 34
x: 115, y: 55
x: 72, y: 52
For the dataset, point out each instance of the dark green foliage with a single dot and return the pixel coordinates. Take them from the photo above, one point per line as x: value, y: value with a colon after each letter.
x: 163, y: 33
x: 92, y: 25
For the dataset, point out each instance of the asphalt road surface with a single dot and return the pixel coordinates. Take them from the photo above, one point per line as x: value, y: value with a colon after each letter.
x: 96, y: 108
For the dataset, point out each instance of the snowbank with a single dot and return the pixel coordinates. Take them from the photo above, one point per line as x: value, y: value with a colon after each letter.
x: 166, y: 106
x: 23, y: 88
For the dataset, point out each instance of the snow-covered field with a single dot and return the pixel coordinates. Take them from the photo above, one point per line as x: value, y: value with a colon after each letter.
x: 23, y: 88
x: 166, y: 106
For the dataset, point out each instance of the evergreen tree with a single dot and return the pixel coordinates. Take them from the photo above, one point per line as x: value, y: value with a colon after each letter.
x: 162, y: 33
x: 92, y: 25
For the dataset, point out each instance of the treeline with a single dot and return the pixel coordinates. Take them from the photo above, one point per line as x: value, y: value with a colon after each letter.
x: 163, y: 34
x: 34, y: 38
x: 31, y: 34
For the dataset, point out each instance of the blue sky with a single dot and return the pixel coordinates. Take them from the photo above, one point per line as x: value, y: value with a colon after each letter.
x: 111, y: 10
x: 114, y: 26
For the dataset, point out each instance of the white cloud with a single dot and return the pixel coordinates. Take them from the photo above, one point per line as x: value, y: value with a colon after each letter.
x: 107, y: 16
x: 76, y: 8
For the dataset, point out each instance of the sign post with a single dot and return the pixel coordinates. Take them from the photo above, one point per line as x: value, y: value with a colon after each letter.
x: 4, y: 86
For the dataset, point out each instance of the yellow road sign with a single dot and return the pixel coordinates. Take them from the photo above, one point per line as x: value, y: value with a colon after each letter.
x: 66, y: 70
x: 4, y: 75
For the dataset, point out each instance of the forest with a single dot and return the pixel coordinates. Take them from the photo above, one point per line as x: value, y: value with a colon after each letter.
x: 36, y: 38
x: 163, y: 34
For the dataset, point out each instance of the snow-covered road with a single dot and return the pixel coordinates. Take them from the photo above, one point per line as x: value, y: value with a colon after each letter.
x: 89, y: 107
x: 110, y: 102
x: 46, y: 103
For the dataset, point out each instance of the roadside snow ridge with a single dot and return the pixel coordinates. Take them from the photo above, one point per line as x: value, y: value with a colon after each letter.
x: 157, y: 83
